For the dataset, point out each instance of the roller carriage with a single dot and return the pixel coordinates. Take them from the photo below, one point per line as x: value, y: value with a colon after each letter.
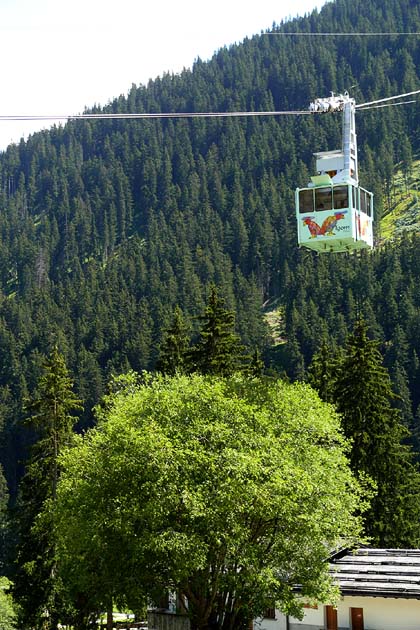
x: 334, y: 214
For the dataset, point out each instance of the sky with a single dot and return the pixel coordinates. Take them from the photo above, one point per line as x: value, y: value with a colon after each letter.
x: 60, y: 56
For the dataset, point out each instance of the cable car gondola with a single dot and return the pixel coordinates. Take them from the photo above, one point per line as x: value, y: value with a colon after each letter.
x: 334, y: 214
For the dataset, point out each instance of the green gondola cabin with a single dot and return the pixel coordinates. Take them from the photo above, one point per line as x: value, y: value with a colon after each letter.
x: 334, y: 214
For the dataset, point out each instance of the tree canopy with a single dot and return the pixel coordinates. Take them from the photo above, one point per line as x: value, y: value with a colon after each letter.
x: 106, y: 226
x: 363, y: 395
x: 228, y: 491
x: 360, y: 386
x: 36, y: 587
x: 218, y: 349
x: 7, y: 610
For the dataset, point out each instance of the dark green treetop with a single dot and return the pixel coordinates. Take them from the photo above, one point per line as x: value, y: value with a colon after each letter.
x: 218, y: 350
x: 51, y: 414
x: 36, y: 588
x: 174, y: 347
x: 322, y: 371
x: 363, y: 396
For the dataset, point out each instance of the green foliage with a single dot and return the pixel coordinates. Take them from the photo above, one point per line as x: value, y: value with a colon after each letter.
x: 218, y: 350
x: 36, y: 588
x: 227, y: 490
x: 4, y: 520
x: 362, y: 391
x: 7, y: 608
x: 322, y: 373
x: 106, y: 226
x: 174, y: 347
x: 51, y: 414
x: 256, y: 365
x: 403, y: 212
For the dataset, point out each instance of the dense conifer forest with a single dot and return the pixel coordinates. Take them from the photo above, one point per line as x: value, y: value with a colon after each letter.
x: 107, y: 226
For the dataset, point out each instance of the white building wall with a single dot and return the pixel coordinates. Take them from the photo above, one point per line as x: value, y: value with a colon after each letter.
x: 379, y: 613
x: 313, y: 620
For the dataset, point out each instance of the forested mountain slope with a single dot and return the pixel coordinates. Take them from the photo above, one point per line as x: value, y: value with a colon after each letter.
x: 106, y: 225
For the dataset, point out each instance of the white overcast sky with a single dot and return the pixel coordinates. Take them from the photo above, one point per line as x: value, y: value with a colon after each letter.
x: 60, y: 56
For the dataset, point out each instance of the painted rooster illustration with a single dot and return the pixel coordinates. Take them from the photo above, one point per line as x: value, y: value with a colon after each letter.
x: 313, y: 226
x: 327, y: 226
x: 330, y: 223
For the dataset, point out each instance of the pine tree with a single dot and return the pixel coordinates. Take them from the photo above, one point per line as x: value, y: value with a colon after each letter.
x: 363, y: 395
x: 256, y: 365
x: 174, y: 347
x: 218, y: 349
x: 36, y: 587
x: 321, y: 372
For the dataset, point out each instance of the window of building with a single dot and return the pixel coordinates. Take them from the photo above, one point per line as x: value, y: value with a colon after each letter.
x: 323, y: 199
x: 341, y: 197
x: 270, y: 613
x: 368, y: 204
x: 363, y: 200
x: 306, y: 201
x: 355, y: 197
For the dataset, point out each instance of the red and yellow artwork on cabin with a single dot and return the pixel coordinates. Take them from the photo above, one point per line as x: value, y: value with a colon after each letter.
x: 362, y: 225
x: 327, y: 227
x: 313, y: 226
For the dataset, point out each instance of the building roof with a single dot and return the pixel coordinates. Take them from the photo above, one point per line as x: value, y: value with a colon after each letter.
x: 378, y: 572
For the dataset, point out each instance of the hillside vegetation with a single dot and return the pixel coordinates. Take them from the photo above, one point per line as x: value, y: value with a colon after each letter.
x: 402, y: 209
x: 107, y: 225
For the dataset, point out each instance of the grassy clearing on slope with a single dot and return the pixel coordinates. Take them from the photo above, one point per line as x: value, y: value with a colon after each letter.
x: 402, y: 209
x: 274, y: 316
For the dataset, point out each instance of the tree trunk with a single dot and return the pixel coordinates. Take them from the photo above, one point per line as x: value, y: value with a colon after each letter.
x: 109, y: 617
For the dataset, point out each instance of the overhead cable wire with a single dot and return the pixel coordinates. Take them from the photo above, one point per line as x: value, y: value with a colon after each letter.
x: 364, y: 109
x: 143, y: 115
x: 389, y: 98
x: 163, y: 115
x: 346, y: 34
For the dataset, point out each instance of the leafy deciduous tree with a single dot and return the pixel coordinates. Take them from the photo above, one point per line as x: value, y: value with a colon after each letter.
x: 228, y: 491
x: 7, y: 609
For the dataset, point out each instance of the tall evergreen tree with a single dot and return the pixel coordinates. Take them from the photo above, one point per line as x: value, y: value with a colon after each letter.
x: 174, y: 346
x: 363, y: 395
x: 218, y: 350
x: 36, y: 587
x: 321, y: 372
x: 256, y: 364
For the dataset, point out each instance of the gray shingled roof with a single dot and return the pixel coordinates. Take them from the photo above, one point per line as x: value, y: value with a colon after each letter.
x: 378, y: 572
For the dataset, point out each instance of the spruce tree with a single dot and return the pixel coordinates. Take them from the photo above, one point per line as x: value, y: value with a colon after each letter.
x: 174, y: 348
x: 36, y: 587
x: 321, y: 372
x: 256, y: 364
x: 363, y: 395
x: 218, y: 350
